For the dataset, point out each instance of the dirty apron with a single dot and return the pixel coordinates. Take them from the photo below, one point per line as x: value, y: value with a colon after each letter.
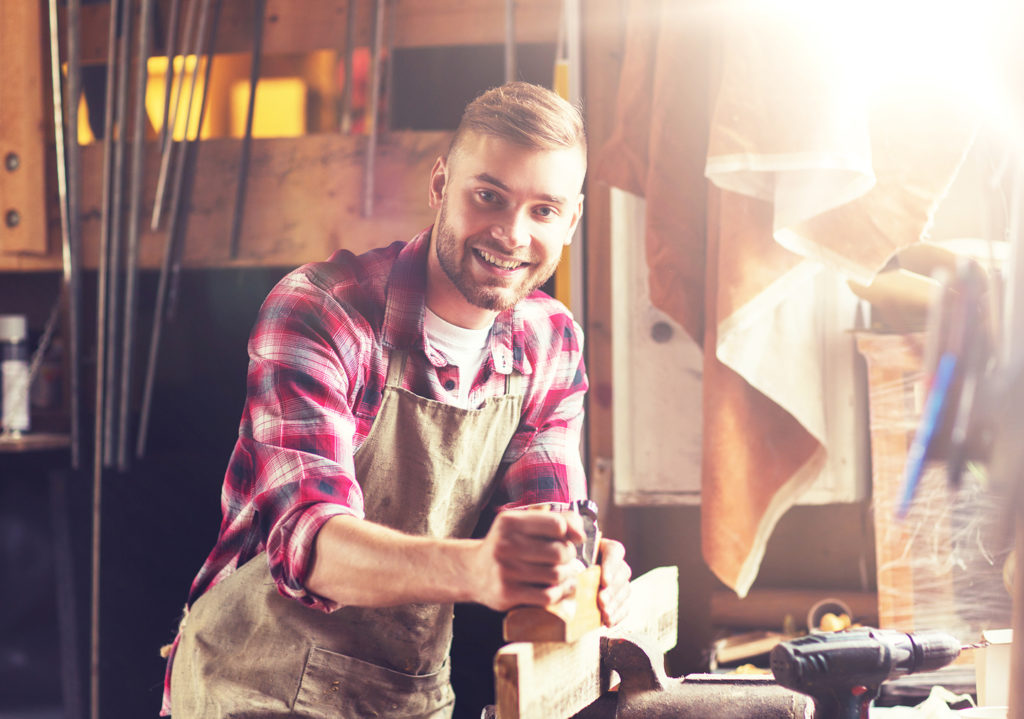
x: 425, y: 468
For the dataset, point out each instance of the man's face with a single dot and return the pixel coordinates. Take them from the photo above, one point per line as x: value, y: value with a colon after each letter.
x: 504, y: 214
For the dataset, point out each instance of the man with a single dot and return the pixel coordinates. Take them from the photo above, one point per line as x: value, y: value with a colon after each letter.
x: 394, y: 399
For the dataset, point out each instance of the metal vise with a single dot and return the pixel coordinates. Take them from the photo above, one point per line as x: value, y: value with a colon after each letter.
x: 646, y: 692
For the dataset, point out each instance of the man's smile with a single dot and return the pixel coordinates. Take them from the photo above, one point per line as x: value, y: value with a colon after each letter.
x: 498, y: 262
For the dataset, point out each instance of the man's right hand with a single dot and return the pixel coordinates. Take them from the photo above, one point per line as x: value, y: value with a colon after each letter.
x: 527, y: 557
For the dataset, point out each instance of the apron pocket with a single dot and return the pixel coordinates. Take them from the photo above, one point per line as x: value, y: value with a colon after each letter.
x: 337, y: 686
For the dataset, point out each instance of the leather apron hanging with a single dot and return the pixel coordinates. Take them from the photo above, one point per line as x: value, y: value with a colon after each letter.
x: 425, y: 468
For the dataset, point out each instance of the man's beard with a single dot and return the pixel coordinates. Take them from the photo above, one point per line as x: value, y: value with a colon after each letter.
x: 454, y: 257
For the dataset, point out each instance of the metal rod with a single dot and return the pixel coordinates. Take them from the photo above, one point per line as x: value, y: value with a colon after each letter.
x: 371, y: 111
x: 103, y: 266
x: 176, y: 235
x: 58, y: 133
x: 190, y: 47
x: 510, y: 40
x: 346, y: 90
x: 116, y: 244
x: 134, y: 210
x: 73, y: 159
x: 101, y: 344
x: 178, y: 149
x: 172, y: 39
x: 259, y: 14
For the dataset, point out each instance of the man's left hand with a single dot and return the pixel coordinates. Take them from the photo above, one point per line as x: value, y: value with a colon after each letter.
x: 613, y: 597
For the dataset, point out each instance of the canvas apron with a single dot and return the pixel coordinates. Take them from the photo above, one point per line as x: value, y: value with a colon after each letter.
x: 425, y: 468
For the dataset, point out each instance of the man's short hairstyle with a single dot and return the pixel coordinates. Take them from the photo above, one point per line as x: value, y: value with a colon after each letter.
x: 524, y: 114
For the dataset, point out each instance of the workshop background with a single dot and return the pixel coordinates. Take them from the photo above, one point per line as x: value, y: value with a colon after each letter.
x: 771, y: 191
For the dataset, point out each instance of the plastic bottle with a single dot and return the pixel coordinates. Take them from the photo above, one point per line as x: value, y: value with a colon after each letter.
x: 14, y: 374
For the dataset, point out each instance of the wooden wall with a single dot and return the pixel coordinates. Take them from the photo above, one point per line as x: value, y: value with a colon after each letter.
x: 304, y: 193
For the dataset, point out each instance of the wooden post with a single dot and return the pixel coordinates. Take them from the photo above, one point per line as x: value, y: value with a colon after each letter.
x: 23, y: 226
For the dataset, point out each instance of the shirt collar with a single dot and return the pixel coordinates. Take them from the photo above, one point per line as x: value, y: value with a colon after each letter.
x: 405, y: 299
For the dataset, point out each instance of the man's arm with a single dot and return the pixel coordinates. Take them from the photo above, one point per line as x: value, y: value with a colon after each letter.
x: 526, y: 558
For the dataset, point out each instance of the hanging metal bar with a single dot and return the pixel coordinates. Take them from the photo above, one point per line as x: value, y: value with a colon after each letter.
x: 190, y: 48
x: 72, y: 92
x: 172, y: 39
x: 103, y: 266
x: 510, y: 40
x: 346, y: 90
x: 134, y: 210
x: 372, y: 118
x: 116, y: 232
x: 176, y: 232
x: 58, y: 136
x: 259, y: 16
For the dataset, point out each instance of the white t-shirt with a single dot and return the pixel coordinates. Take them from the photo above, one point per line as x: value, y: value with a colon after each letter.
x: 466, y: 349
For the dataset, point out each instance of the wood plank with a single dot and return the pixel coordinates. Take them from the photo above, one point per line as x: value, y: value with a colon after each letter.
x: 549, y: 680
x: 603, y: 39
x: 300, y: 26
x: 304, y: 199
x: 654, y: 608
x: 23, y: 225
x: 421, y: 23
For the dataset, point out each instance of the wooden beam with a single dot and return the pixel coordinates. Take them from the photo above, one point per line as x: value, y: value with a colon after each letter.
x: 603, y: 25
x: 301, y: 26
x: 547, y: 680
x: 303, y: 201
x: 23, y: 225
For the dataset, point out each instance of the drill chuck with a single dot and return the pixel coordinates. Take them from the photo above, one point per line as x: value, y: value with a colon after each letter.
x: 931, y: 650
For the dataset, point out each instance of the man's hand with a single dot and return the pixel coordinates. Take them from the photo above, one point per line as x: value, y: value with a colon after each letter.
x: 527, y: 557
x: 613, y: 597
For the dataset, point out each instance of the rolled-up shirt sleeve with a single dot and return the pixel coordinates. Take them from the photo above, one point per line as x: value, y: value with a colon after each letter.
x: 298, y: 433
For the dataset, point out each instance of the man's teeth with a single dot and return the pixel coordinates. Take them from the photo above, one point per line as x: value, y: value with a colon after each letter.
x: 504, y: 264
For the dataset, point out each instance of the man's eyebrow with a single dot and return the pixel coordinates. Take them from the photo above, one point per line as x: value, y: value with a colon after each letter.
x: 492, y: 180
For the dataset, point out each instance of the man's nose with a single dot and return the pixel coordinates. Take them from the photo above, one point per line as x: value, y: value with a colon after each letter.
x: 512, y: 231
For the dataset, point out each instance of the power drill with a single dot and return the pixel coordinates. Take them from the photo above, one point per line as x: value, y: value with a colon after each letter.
x: 843, y: 671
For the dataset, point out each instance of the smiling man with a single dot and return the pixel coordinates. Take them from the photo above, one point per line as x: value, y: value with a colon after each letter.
x: 397, y: 401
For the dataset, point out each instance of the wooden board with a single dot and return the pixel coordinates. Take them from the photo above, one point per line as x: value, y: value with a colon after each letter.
x: 304, y: 200
x: 553, y: 680
x: 22, y: 127
x: 301, y: 26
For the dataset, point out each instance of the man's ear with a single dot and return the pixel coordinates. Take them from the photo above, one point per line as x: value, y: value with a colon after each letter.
x: 438, y: 180
x: 575, y: 221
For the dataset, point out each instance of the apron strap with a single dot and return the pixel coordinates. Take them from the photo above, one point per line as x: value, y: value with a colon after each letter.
x: 396, y: 368
x: 513, y: 382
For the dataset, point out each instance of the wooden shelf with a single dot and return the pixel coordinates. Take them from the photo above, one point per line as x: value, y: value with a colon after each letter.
x: 33, y: 442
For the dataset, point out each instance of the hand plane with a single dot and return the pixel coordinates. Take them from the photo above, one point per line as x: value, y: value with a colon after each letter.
x: 572, y: 617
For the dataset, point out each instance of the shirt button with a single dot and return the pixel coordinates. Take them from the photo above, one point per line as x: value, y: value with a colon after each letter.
x: 449, y: 384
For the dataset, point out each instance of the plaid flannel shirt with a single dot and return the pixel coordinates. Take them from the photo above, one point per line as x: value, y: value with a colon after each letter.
x: 318, y: 363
